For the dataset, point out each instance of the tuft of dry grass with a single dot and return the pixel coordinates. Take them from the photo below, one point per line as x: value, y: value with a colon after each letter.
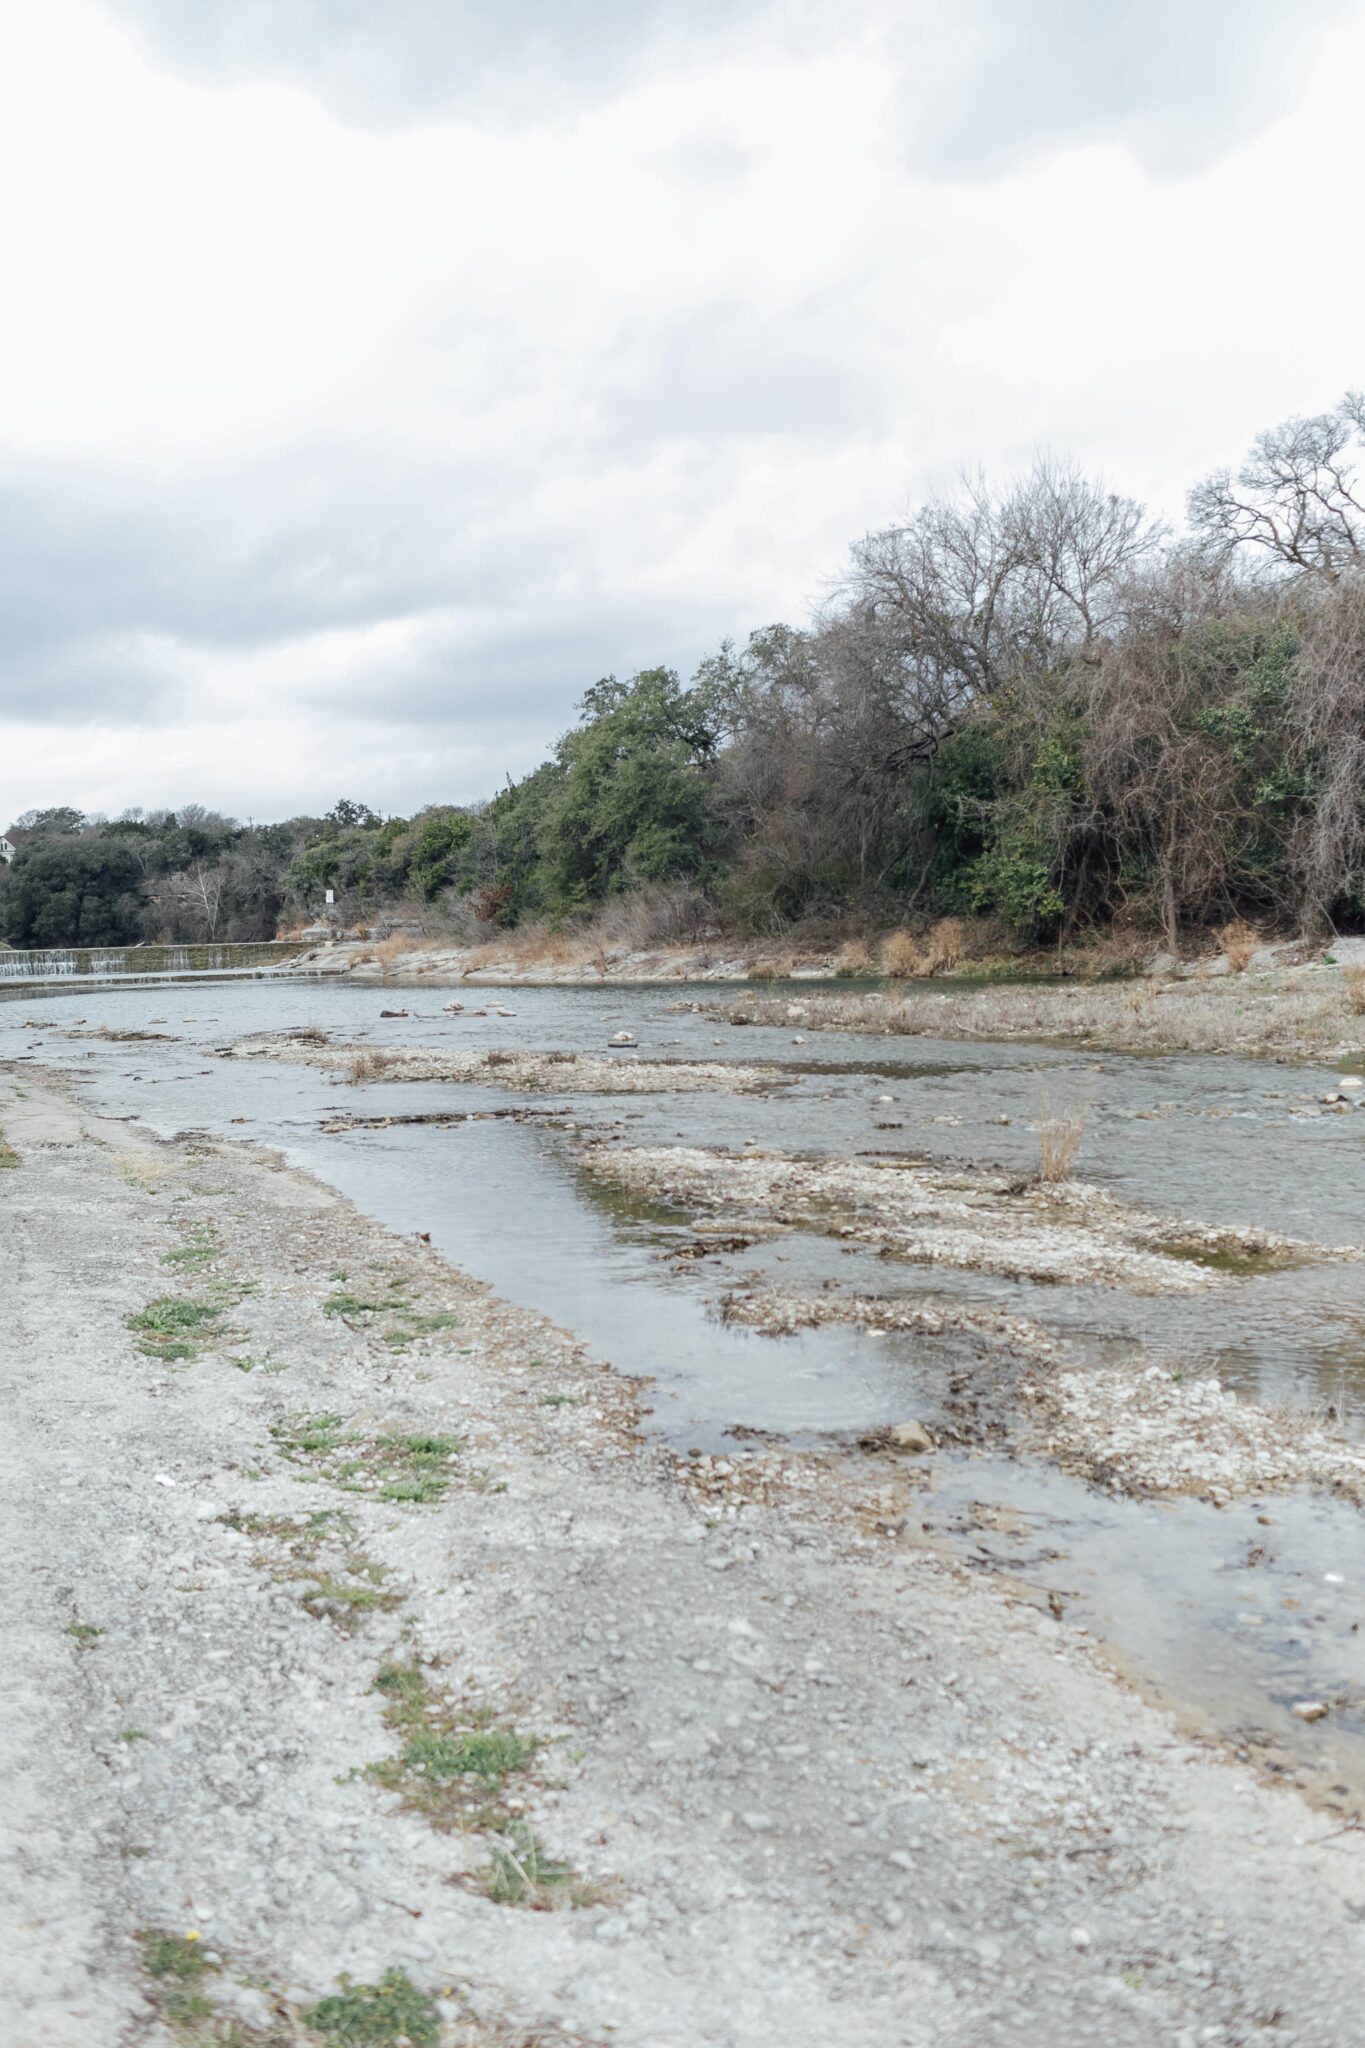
x: 900, y: 956
x: 388, y: 951
x: 945, y: 944
x: 1059, y: 1139
x: 1354, y: 978
x: 1238, y: 943
x: 368, y: 1066
x: 853, y: 959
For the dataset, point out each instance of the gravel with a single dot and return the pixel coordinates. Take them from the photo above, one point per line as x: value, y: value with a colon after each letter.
x: 825, y: 1786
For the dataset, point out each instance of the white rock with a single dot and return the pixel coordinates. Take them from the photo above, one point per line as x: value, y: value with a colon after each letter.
x: 910, y: 1436
x: 1310, y: 1710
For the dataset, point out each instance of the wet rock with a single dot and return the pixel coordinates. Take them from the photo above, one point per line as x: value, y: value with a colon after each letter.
x: 1311, y: 1710
x: 622, y: 1038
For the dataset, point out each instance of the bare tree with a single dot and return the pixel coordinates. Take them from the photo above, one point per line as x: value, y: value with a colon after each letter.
x: 1296, y: 499
x: 973, y: 593
x: 1329, y: 715
x: 197, y: 894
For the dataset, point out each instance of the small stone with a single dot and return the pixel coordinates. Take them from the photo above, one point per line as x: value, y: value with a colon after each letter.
x: 622, y: 1038
x: 1311, y: 1710
x: 912, y: 1437
x: 758, y: 1823
x: 1080, y: 1937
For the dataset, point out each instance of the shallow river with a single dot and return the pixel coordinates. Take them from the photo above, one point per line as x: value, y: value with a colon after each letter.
x: 1218, y: 1140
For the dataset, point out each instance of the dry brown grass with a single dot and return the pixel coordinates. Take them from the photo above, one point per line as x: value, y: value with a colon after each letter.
x: 1060, y: 1131
x: 854, y: 958
x: 388, y: 951
x: 1354, y: 978
x: 1238, y: 943
x: 900, y: 956
x: 368, y: 1066
x: 1218, y: 1015
x: 945, y: 945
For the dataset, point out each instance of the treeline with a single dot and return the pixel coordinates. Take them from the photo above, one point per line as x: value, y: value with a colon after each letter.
x: 1036, y: 705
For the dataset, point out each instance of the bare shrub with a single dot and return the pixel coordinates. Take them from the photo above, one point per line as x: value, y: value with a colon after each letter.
x: 1354, y: 978
x: 1238, y: 943
x: 944, y: 945
x: 1060, y: 1131
x: 655, y: 914
x: 310, y: 1034
x: 1329, y: 718
x: 853, y: 958
x: 900, y: 956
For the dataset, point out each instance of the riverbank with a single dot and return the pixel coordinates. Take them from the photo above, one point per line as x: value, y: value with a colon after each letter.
x: 1296, y: 1000
x: 762, y: 1773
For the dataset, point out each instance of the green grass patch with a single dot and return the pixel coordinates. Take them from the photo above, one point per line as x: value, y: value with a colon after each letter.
x: 177, y: 1967
x: 412, y: 1470
x: 8, y: 1156
x: 201, y: 1247
x: 170, y: 1327
x: 348, y: 1305
x: 84, y: 1633
x: 454, y: 1763
x: 399, y: 1335
x: 339, y: 1582
x: 378, y: 2015
x: 406, y: 1323
x: 520, y: 1873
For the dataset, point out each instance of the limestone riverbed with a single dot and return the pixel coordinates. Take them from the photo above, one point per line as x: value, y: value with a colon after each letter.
x: 795, y: 1696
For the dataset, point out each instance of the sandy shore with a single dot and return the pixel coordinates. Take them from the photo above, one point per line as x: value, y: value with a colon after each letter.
x: 768, y: 1777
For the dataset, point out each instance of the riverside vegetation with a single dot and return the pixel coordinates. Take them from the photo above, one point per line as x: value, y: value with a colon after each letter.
x: 1035, y: 706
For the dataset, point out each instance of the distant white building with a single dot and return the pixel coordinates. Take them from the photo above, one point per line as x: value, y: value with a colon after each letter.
x: 6, y: 851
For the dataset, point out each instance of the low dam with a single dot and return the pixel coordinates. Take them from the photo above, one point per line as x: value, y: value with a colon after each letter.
x: 111, y: 963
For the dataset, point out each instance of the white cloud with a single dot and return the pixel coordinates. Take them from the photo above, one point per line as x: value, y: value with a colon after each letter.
x: 345, y: 457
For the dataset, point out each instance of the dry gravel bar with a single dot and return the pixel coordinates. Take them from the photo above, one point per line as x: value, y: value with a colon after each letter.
x: 965, y: 1217
x: 817, y: 1785
x: 559, y: 1073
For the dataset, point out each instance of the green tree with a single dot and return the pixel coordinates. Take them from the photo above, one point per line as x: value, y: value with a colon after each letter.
x: 73, y: 892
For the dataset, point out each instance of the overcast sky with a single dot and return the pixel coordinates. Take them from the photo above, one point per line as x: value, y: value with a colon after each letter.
x: 376, y: 374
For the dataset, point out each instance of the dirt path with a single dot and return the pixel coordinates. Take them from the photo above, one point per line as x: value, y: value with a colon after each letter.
x: 771, y: 1780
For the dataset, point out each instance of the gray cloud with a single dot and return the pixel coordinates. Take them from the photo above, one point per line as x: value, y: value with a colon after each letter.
x: 110, y: 597
x: 394, y: 61
x: 1177, y: 80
